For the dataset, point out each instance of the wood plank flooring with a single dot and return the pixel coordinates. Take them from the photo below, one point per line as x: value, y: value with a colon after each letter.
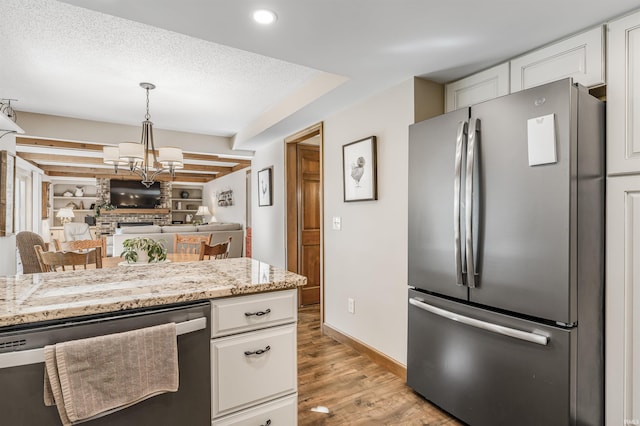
x: 354, y: 389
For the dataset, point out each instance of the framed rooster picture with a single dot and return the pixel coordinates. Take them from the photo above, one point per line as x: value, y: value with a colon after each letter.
x: 359, y: 170
x: 265, y: 197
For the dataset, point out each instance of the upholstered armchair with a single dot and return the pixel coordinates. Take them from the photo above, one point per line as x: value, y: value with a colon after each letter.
x: 76, y: 231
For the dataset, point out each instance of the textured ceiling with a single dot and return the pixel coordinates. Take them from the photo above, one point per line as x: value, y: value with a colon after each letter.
x: 58, y: 58
x: 65, y: 60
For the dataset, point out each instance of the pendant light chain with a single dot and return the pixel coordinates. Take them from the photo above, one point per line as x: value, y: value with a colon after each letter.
x: 147, y: 116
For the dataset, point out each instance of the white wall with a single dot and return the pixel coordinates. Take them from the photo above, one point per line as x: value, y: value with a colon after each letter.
x: 236, y: 182
x: 268, y: 228
x: 8, y: 244
x: 367, y: 259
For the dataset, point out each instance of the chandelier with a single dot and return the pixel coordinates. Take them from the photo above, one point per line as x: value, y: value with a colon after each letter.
x: 141, y: 158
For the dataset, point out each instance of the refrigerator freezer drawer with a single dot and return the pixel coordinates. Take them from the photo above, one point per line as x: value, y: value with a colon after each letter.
x: 487, y: 368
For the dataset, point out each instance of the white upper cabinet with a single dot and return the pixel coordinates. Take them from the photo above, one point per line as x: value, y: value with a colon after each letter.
x: 623, y: 96
x: 580, y: 57
x: 479, y: 87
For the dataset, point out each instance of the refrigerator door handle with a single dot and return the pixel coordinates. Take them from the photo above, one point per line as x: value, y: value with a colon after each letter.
x: 461, y: 145
x: 488, y: 326
x: 474, y: 129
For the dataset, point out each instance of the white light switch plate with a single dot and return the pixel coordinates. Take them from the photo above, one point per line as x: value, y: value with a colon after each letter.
x: 337, y: 223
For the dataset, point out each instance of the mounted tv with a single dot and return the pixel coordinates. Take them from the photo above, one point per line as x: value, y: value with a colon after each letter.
x: 132, y: 194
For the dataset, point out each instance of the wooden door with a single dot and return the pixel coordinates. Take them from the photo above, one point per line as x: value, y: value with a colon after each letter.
x: 308, y: 191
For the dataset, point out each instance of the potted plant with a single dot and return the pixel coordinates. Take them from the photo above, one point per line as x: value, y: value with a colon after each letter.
x: 102, y: 205
x: 143, y: 250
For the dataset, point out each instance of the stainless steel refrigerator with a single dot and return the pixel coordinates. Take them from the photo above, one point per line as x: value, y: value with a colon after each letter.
x: 506, y: 259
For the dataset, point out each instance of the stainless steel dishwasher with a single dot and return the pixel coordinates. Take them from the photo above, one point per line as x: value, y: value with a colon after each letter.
x: 22, y: 368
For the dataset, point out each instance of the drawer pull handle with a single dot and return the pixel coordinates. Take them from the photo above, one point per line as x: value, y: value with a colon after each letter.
x: 258, y: 352
x: 258, y: 314
x: 267, y: 423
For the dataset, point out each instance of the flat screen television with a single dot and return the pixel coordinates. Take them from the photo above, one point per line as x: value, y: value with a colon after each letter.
x: 132, y: 194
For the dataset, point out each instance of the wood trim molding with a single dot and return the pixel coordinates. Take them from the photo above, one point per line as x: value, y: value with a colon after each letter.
x: 302, y: 135
x: 379, y: 358
x: 134, y: 211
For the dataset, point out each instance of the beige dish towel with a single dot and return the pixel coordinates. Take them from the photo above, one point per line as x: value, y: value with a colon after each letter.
x: 93, y: 377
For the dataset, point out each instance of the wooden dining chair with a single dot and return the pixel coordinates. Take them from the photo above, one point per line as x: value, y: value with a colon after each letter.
x: 81, y: 245
x: 190, y: 244
x: 216, y: 251
x: 50, y: 261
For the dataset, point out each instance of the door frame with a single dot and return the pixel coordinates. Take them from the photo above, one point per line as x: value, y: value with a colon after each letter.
x: 292, y: 238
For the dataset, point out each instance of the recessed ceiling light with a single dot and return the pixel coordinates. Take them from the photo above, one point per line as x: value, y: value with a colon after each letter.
x: 264, y: 17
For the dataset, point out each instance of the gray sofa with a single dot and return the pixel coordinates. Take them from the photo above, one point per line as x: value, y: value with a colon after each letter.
x: 220, y: 232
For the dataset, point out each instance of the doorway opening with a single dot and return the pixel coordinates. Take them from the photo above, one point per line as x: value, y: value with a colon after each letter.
x: 303, y: 175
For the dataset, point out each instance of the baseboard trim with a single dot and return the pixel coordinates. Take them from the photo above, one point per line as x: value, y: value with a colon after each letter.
x: 379, y: 358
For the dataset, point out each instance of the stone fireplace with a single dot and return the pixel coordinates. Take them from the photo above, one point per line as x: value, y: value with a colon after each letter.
x: 109, y: 220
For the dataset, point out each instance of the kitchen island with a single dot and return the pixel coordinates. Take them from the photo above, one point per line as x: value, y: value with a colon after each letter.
x: 238, y: 320
x: 26, y: 299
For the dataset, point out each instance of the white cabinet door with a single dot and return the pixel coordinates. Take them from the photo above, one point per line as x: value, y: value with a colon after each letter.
x: 622, y: 321
x: 580, y: 57
x: 623, y: 95
x: 279, y: 412
x: 251, y: 368
x: 479, y: 87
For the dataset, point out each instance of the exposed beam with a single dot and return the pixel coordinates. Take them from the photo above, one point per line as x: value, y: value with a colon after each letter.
x: 57, y: 158
x: 54, y: 158
x: 82, y: 146
x: 50, y: 143
x: 78, y: 173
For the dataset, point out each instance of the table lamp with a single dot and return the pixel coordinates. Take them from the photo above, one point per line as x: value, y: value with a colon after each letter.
x: 65, y: 214
x: 203, y: 211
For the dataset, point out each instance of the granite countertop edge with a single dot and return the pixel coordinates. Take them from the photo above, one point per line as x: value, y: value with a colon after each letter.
x: 233, y: 278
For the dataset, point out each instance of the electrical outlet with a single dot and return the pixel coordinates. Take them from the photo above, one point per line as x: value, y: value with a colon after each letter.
x: 351, y: 305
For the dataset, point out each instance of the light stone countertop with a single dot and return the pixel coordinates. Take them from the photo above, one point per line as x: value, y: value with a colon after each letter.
x: 31, y: 298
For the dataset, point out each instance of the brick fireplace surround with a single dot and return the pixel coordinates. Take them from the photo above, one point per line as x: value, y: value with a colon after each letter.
x: 108, y: 221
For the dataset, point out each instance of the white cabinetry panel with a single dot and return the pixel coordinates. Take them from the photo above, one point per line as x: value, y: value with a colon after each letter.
x: 623, y: 96
x: 623, y: 301
x: 279, y: 412
x: 240, y: 314
x: 580, y: 57
x: 479, y: 87
x: 251, y: 368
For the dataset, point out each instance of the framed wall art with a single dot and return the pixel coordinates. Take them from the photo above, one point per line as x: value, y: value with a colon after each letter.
x: 359, y: 170
x: 265, y: 181
x: 7, y: 179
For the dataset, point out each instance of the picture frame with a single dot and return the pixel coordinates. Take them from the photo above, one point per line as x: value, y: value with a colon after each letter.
x: 265, y: 182
x: 7, y: 196
x: 359, y: 170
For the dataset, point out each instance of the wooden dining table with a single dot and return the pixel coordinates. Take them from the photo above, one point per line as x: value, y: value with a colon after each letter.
x: 110, y: 262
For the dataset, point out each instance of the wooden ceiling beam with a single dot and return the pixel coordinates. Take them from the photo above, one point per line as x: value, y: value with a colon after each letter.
x: 58, y: 158
x: 35, y: 159
x: 82, y: 146
x: 121, y: 171
x: 50, y: 143
x: 181, y: 177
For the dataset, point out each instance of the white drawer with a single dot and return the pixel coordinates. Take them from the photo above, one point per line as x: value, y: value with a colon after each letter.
x: 240, y: 377
x: 283, y: 411
x: 246, y: 313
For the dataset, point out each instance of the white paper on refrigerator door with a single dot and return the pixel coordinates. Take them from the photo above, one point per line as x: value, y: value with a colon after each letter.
x: 541, y: 139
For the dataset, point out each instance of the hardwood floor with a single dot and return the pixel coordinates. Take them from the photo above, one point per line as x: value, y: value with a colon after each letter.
x: 354, y: 389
